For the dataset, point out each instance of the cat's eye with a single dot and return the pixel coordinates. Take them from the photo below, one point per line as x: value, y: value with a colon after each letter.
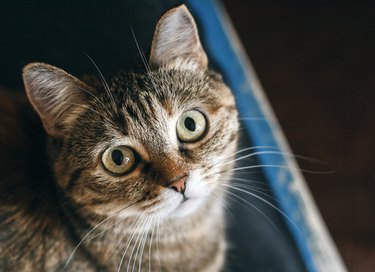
x: 191, y: 126
x: 118, y: 160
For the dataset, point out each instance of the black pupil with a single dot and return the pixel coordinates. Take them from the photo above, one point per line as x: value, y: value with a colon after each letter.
x: 117, y: 157
x: 189, y: 123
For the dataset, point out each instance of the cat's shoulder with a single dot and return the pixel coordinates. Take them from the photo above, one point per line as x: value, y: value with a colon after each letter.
x: 24, y: 174
x: 27, y: 218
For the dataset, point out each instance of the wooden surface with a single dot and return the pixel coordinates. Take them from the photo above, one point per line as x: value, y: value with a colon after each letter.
x: 317, y: 65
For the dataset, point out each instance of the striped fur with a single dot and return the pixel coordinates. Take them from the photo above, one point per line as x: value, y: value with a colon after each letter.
x: 63, y: 210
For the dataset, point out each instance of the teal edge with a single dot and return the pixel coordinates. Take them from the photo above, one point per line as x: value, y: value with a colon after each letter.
x: 217, y: 42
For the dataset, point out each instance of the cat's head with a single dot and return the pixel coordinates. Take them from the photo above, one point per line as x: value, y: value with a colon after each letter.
x: 155, y: 142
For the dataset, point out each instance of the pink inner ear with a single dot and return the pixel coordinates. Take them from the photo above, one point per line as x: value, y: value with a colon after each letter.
x: 176, y: 36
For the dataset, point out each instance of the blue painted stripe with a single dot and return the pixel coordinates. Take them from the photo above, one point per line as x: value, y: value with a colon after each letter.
x: 222, y: 52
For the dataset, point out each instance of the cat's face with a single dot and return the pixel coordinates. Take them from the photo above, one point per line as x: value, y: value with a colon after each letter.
x: 152, y: 143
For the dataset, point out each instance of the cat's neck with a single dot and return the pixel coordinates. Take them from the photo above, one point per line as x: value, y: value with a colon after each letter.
x: 195, y: 241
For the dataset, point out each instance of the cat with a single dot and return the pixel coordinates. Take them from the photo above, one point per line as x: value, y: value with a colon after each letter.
x: 125, y: 176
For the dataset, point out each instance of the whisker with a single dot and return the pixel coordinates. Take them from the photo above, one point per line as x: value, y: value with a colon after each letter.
x: 147, y: 64
x: 270, y: 153
x: 100, y: 233
x: 106, y: 86
x: 93, y: 229
x: 225, y: 205
x: 157, y: 243
x: 253, y: 206
x: 150, y: 246
x: 250, y: 187
x: 258, y: 184
x: 141, y: 238
x: 135, y: 222
x: 144, y: 60
x: 90, y: 109
x: 140, y: 51
x: 250, y: 148
x: 137, y: 244
x: 139, y: 222
x: 276, y: 166
x: 92, y: 95
x: 245, y: 186
x: 268, y: 203
x: 149, y: 222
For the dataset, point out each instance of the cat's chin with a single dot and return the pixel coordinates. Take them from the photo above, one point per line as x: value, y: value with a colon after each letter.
x: 175, y: 205
x: 187, y: 207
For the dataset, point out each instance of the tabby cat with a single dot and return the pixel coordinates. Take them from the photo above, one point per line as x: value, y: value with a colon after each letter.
x: 128, y: 175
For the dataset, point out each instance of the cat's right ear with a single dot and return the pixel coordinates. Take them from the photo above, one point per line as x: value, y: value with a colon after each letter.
x: 56, y: 96
x: 176, y: 37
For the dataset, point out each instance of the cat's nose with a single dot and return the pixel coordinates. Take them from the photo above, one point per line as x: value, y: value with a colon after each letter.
x: 179, y: 185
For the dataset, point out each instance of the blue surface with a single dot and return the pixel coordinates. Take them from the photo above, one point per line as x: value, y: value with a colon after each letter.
x: 222, y: 52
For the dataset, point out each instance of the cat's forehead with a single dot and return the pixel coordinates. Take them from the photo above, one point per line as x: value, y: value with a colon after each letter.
x: 164, y: 84
x: 148, y: 105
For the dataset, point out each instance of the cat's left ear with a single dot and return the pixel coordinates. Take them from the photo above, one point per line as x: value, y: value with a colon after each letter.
x: 56, y: 96
x: 176, y: 36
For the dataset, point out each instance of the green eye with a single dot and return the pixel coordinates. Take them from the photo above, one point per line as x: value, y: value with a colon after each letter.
x: 118, y: 160
x: 191, y: 126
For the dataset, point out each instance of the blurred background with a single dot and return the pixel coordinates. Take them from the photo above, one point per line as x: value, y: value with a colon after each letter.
x: 316, y: 62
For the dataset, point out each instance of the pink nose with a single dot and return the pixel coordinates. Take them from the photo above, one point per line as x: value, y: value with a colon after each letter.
x: 179, y: 185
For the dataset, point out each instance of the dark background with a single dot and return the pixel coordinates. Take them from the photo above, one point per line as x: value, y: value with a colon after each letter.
x: 315, y: 59
x: 316, y: 62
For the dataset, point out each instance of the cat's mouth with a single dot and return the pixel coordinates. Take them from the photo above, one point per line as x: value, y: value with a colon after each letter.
x: 189, y: 201
x: 185, y: 198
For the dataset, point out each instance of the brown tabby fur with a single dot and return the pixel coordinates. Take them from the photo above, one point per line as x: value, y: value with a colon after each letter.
x: 58, y: 202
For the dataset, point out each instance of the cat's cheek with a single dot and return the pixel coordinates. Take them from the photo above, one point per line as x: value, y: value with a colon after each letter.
x: 129, y: 212
x: 196, y: 186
